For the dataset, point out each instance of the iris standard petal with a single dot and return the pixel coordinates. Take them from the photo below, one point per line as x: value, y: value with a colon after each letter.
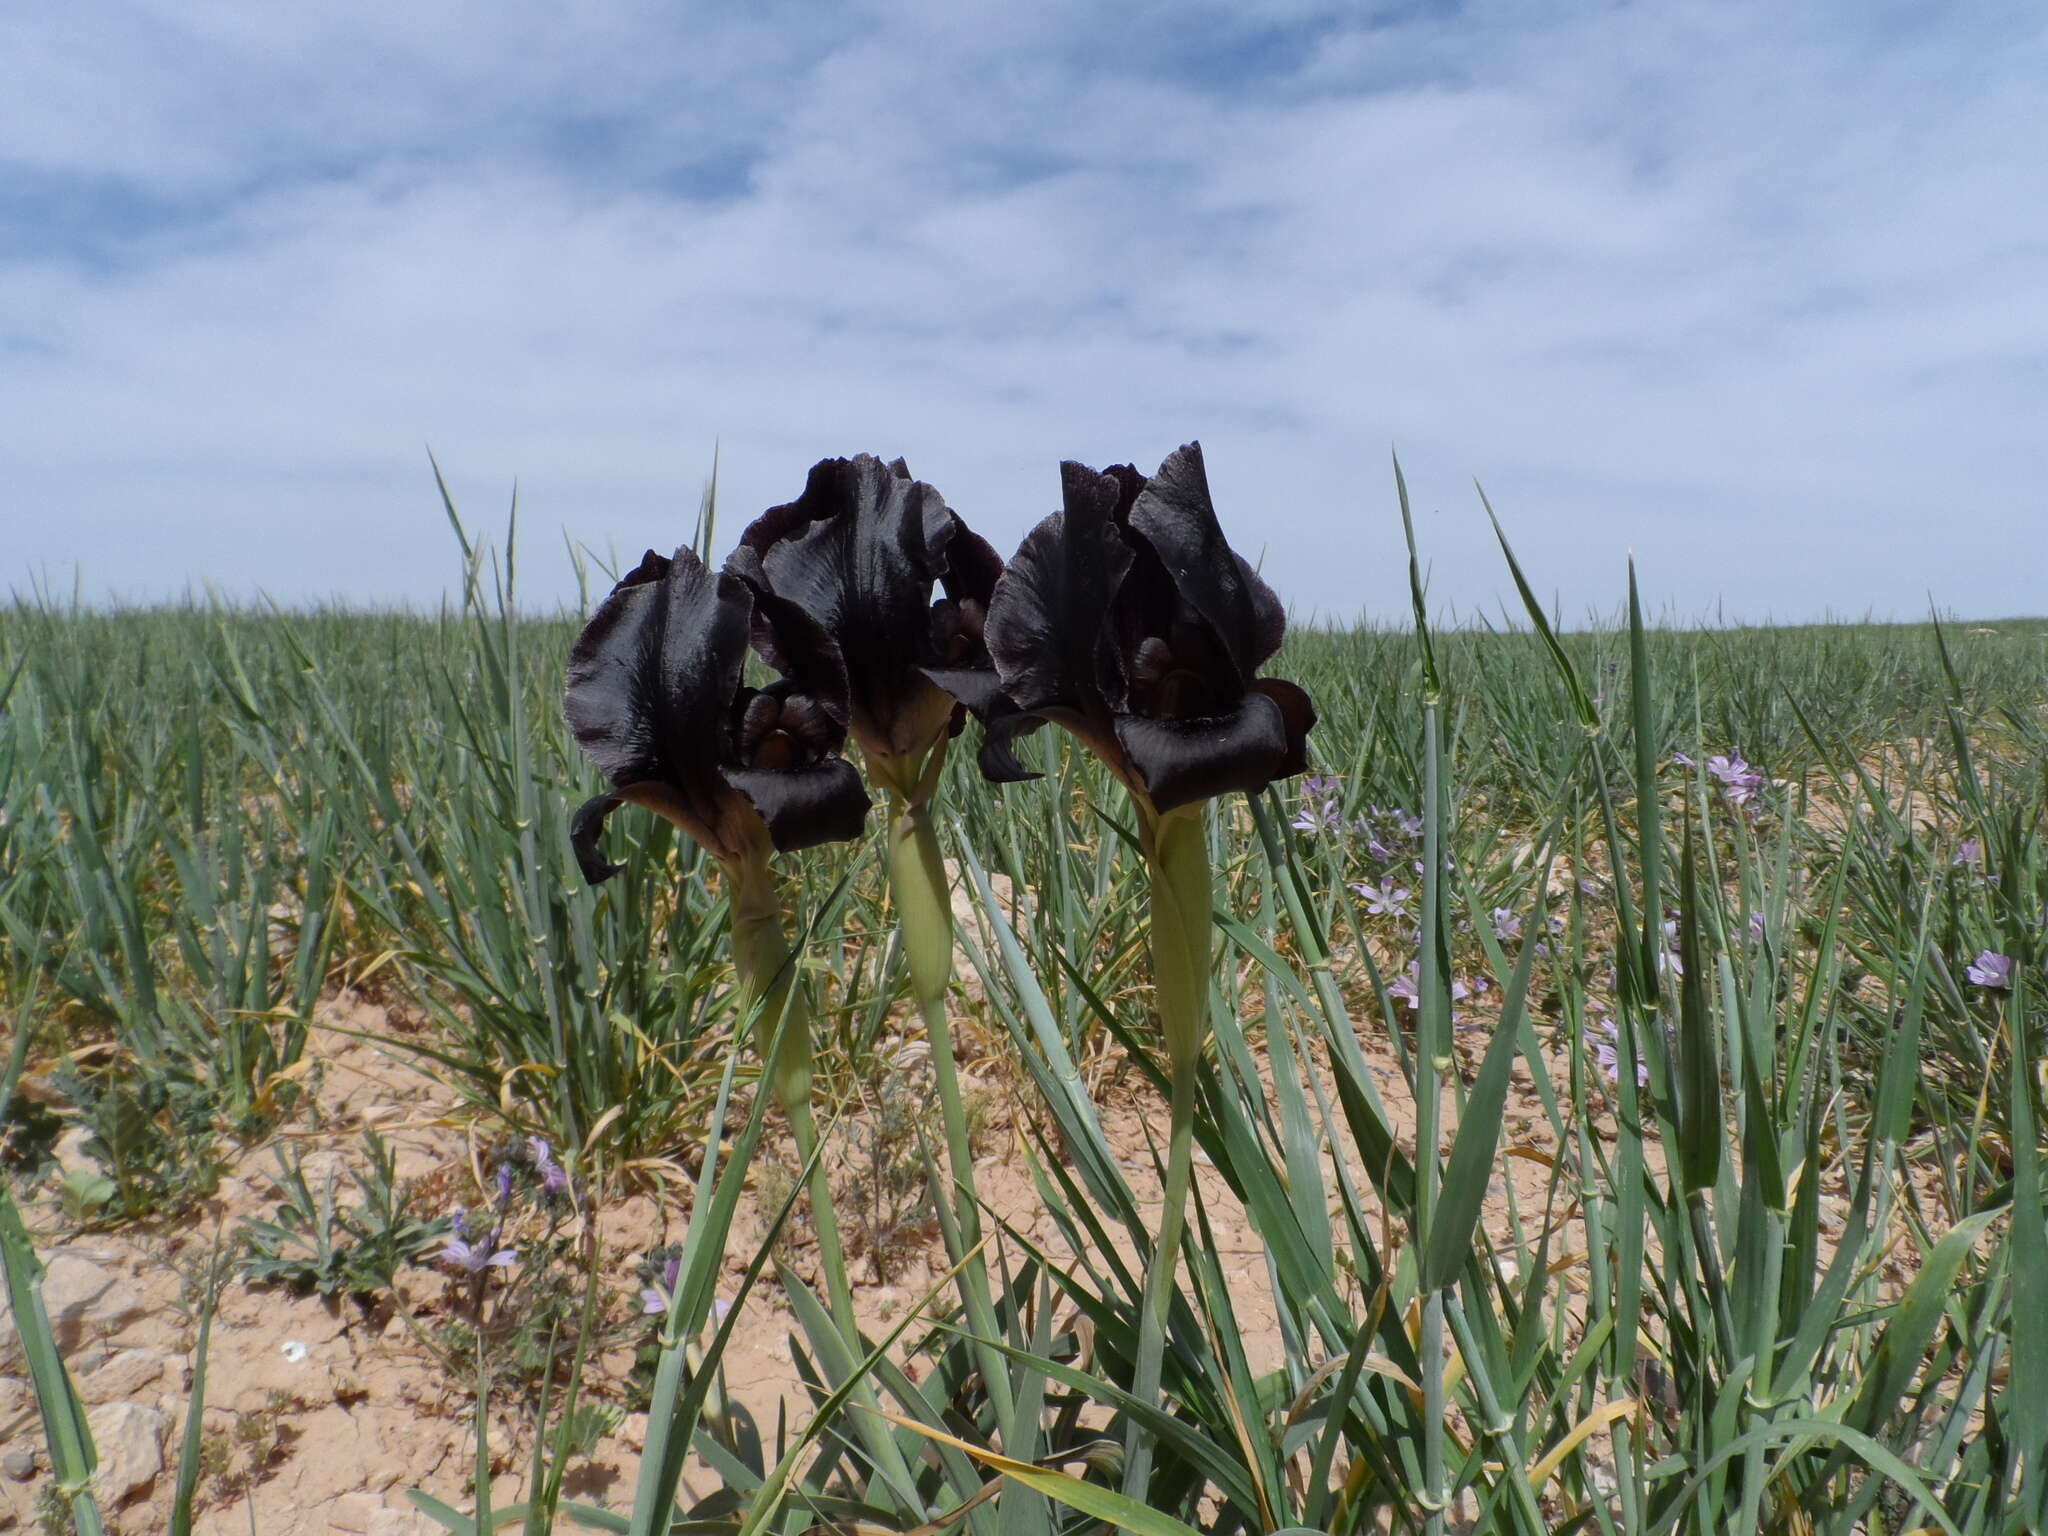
x: 822, y: 802
x: 1174, y: 515
x: 1048, y: 630
x: 859, y: 551
x: 1182, y: 761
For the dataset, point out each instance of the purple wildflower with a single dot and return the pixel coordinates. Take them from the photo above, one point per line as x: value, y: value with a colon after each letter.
x: 1507, y: 924
x: 475, y: 1258
x: 504, y: 1182
x: 1971, y: 852
x: 1607, y: 1053
x: 1668, y: 960
x: 654, y: 1299
x: 1409, y: 826
x: 1991, y: 969
x: 1389, y: 900
x: 1318, y: 811
x: 1407, y: 986
x: 1756, y: 926
x: 554, y: 1178
x: 1739, y: 782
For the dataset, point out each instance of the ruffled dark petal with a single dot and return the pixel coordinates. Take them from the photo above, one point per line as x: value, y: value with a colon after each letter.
x: 976, y: 687
x: 997, y: 757
x: 820, y: 803
x: 1183, y: 761
x: 660, y: 658
x: 1174, y: 515
x: 858, y: 551
x: 1298, y: 712
x: 940, y: 520
x: 972, y: 565
x: 584, y: 829
x: 1048, y: 622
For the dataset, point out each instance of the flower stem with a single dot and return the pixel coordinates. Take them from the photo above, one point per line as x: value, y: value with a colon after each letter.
x: 917, y: 880
x: 766, y: 967
x: 1177, y: 848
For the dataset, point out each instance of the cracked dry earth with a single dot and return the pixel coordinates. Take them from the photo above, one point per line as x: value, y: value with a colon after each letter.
x: 323, y: 1414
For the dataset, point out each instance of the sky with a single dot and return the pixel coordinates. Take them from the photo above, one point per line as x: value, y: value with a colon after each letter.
x: 1756, y: 291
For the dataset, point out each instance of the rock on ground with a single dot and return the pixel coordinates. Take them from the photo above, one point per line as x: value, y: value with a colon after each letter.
x: 130, y: 1439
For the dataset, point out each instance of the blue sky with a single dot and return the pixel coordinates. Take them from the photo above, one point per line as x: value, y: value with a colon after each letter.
x: 1759, y: 292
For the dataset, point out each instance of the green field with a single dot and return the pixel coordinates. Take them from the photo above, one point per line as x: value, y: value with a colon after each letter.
x: 1798, y: 1280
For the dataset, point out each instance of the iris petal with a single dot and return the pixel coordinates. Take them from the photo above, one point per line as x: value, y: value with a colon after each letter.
x: 661, y: 655
x: 1174, y: 515
x: 806, y: 654
x: 1182, y: 761
x: 1299, y: 714
x: 1046, y: 623
x: 819, y: 803
x: 997, y: 758
x: 584, y: 828
x: 859, y: 551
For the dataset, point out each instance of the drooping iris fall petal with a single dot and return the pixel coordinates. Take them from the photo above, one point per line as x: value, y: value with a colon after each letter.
x: 1127, y: 618
x: 656, y: 699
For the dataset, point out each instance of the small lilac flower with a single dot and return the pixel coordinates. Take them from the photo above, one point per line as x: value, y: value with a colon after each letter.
x: 1756, y: 927
x: 1407, y: 986
x: 554, y: 1178
x: 1681, y: 760
x: 1607, y: 1053
x: 475, y: 1258
x: 1315, y: 819
x: 1739, y: 782
x: 1668, y: 960
x: 1409, y: 826
x: 504, y: 1182
x: 1318, y: 810
x: 1389, y: 900
x: 1507, y: 924
x: 1971, y: 852
x: 1378, y: 851
x: 1991, y: 969
x: 654, y: 1299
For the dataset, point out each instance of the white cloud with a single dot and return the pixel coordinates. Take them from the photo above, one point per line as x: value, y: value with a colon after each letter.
x: 1754, y: 292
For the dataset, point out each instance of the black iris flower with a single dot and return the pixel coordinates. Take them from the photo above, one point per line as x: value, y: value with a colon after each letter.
x: 657, y: 698
x: 1128, y: 619
x: 861, y: 552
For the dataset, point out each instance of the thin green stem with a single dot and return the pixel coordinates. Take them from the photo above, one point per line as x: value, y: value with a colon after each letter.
x: 917, y: 880
x: 766, y: 968
x: 1177, y: 848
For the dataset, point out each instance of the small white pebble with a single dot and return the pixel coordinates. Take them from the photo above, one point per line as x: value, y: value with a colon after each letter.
x: 294, y: 1350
